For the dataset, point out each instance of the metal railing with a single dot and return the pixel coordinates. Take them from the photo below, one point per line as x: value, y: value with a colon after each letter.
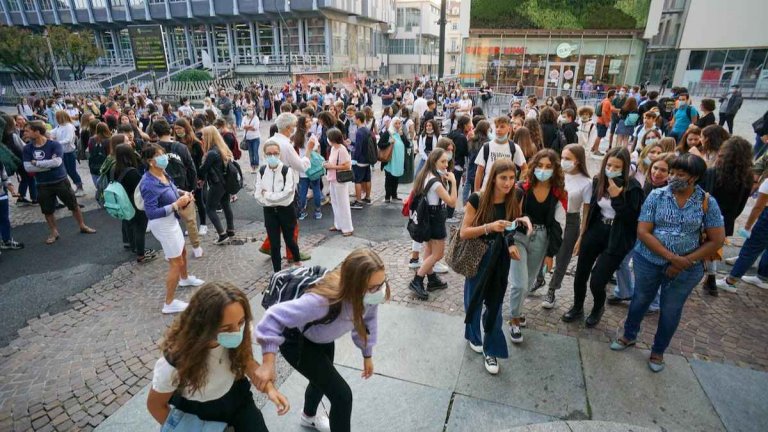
x: 752, y: 89
x: 282, y: 60
x: 501, y: 103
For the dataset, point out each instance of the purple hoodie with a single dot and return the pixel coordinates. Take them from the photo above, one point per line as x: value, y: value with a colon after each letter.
x: 295, y: 314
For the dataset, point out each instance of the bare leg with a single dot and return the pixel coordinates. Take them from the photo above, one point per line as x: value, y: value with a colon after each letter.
x: 358, y: 191
x: 183, y: 269
x: 367, y: 188
x: 51, y: 220
x: 434, y: 253
x: 78, y: 215
x: 172, y: 279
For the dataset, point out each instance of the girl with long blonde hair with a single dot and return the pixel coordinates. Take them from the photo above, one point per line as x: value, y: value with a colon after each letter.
x: 217, y: 156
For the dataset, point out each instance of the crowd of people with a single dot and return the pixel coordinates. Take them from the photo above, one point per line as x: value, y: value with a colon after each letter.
x: 654, y: 217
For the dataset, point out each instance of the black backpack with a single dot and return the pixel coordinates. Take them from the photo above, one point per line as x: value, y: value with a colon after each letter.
x: 97, y: 156
x: 419, y: 227
x: 372, y: 150
x: 290, y: 284
x: 233, y: 177
x: 176, y: 169
x: 283, y: 171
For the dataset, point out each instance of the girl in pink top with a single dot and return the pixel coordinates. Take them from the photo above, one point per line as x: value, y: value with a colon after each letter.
x: 339, y: 160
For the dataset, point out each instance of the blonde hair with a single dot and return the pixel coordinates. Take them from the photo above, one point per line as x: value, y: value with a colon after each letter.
x: 212, y: 138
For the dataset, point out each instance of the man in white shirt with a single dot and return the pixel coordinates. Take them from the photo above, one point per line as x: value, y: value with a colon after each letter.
x: 500, y: 147
x: 419, y: 105
x: 286, y: 126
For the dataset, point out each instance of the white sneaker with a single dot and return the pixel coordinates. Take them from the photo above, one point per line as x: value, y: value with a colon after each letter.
x: 756, y: 281
x: 440, y: 268
x: 491, y: 365
x: 319, y: 422
x: 476, y: 348
x: 725, y: 286
x: 414, y: 264
x: 203, y: 230
x: 79, y: 193
x: 190, y: 281
x: 197, y: 252
x: 175, y: 306
x: 731, y: 260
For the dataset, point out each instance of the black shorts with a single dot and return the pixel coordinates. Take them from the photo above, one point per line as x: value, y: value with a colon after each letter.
x: 437, y: 216
x: 602, y: 130
x: 362, y: 174
x: 47, y: 194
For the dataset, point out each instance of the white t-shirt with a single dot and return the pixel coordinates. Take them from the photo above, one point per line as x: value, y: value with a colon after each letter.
x: 763, y: 189
x: 606, y: 210
x: 220, y: 377
x: 579, y: 188
x: 254, y: 121
x: 498, y: 151
x: 432, y: 197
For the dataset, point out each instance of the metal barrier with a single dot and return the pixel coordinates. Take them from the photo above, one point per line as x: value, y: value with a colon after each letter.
x: 751, y: 89
x: 500, y: 103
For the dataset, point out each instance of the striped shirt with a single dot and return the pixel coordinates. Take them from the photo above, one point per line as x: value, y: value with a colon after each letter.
x: 678, y: 229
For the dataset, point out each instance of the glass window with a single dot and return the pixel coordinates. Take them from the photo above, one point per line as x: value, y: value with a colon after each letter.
x: 243, y: 42
x: 510, y: 62
x: 200, y: 41
x: 289, y: 35
x: 136, y: 3
x: 98, y: 4
x: 408, y: 18
x: 340, y: 38
x: 125, y: 44
x: 118, y: 3
x: 221, y: 41
x: 716, y: 59
x: 29, y: 5
x: 696, y: 60
x: 754, y: 65
x: 13, y: 6
x: 736, y: 56
x: 179, y: 41
x: 266, y: 37
x: 108, y: 45
x: 314, y: 37
x: 46, y: 5
x: 81, y: 4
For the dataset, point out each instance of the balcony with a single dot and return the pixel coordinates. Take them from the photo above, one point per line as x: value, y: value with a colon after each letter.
x: 307, y: 63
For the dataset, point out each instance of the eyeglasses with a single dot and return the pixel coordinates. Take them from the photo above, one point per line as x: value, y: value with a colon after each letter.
x: 376, y: 288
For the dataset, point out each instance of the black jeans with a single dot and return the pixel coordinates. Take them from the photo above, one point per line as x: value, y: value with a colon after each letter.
x: 451, y: 210
x: 218, y: 196
x: 134, y: 231
x: 727, y: 118
x: 236, y: 408
x: 200, y: 203
x: 277, y: 220
x: 390, y: 185
x: 595, y: 265
x: 315, y: 362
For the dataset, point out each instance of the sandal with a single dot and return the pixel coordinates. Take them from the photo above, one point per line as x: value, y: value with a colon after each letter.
x: 656, y: 363
x: 347, y: 234
x: 621, y: 344
x: 333, y: 229
x: 51, y: 239
x: 87, y: 230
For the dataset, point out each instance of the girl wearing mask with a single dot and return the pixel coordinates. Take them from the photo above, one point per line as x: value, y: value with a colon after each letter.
x: 206, y: 367
x: 465, y: 105
x: 438, y: 185
x: 651, y: 137
x: 346, y: 300
x: 427, y: 142
x: 274, y: 192
x: 608, y: 235
x: 339, y: 160
x: 252, y: 136
x: 300, y: 139
x: 578, y: 185
x: 396, y: 165
x: 162, y: 204
x: 183, y: 133
x: 491, y: 215
x: 650, y: 153
x: 217, y: 156
x: 544, y: 201
x: 135, y: 229
x: 690, y: 142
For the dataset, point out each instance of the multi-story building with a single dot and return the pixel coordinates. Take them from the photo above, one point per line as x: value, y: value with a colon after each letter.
x: 414, y: 39
x: 456, y: 30
x: 708, y: 46
x: 314, y: 37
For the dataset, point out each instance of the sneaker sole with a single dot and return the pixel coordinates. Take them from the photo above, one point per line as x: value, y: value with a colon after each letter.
x: 516, y: 341
x: 755, y: 283
x: 419, y: 296
x: 548, y: 305
x: 492, y: 372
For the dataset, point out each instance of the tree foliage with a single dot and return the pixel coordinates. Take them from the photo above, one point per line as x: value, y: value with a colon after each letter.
x: 192, y: 75
x: 559, y: 14
x: 75, y: 50
x: 25, y: 53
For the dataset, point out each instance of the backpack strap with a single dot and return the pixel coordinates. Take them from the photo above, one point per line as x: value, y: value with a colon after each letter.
x: 487, y: 152
x: 428, y: 186
x: 284, y: 171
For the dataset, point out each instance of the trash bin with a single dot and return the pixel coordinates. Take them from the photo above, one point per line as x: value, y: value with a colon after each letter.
x: 407, y: 176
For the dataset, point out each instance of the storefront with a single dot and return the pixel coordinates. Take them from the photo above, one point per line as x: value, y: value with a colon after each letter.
x: 725, y: 67
x: 551, y: 63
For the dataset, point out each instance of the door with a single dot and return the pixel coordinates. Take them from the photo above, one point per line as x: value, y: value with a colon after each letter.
x: 730, y: 75
x: 561, y: 78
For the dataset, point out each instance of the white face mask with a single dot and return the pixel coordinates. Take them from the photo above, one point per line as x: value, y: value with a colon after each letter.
x: 375, y: 298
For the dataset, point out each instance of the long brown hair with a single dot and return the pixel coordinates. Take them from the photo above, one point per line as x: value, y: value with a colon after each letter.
x: 602, y: 180
x: 430, y: 167
x: 537, y: 136
x: 188, y: 340
x: 523, y: 138
x: 485, y: 210
x: 189, y: 134
x: 557, y: 181
x: 581, y: 158
x: 350, y: 283
x: 682, y: 146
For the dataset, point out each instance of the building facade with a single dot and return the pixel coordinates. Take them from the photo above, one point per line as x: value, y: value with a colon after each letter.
x: 414, y: 39
x: 708, y: 46
x: 456, y: 32
x: 314, y: 37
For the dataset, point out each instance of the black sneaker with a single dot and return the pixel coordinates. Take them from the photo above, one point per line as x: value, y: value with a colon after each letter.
x: 418, y: 288
x: 549, y: 300
x: 710, y: 285
x: 435, y: 283
x: 573, y: 314
x: 366, y: 201
x: 614, y: 300
x: 23, y: 202
x: 357, y: 205
x: 594, y: 317
x: 223, y: 239
x: 540, y: 282
x: 11, y: 245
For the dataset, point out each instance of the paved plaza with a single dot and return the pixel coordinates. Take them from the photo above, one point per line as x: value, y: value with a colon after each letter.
x: 82, y: 323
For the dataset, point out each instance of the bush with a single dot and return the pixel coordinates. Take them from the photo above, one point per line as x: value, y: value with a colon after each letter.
x: 192, y: 75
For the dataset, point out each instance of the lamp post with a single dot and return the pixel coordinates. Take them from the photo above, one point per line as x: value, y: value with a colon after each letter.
x: 288, y: 3
x: 431, y: 52
x: 53, y: 59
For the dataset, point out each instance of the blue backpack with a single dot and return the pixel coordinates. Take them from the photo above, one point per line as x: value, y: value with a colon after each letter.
x: 116, y: 200
x: 316, y: 169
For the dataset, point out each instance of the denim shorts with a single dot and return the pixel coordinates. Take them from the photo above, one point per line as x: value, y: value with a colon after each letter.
x: 602, y: 130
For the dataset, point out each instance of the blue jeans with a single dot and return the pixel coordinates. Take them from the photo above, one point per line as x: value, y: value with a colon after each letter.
x: 756, y: 244
x: 238, y: 118
x: 70, y: 164
x: 674, y: 292
x: 625, y: 287
x: 469, y: 185
x: 317, y: 192
x: 27, y: 182
x: 494, y: 343
x: 5, y: 219
x: 253, y: 151
x: 759, y: 147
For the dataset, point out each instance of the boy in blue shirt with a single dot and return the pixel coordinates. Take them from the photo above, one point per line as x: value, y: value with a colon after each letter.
x: 684, y: 115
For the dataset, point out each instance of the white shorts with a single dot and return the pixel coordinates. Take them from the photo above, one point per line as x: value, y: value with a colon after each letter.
x: 168, y: 232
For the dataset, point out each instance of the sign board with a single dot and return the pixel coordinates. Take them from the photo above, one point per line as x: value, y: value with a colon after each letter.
x: 614, y: 67
x: 554, y: 74
x: 589, y: 66
x: 568, y: 75
x: 148, y: 47
x: 565, y: 49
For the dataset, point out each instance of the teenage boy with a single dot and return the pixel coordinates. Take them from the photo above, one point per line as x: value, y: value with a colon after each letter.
x: 501, y: 147
x: 649, y: 124
x: 603, y: 122
x: 362, y: 166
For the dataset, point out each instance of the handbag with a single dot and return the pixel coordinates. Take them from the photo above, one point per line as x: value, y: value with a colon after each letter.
x: 343, y: 176
x: 717, y: 255
x: 464, y: 255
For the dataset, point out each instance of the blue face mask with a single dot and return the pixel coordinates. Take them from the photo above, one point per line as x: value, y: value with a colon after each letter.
x: 231, y: 340
x: 612, y: 174
x: 450, y: 155
x: 273, y: 161
x: 543, y: 174
x: 647, y: 160
x: 162, y: 161
x: 375, y: 298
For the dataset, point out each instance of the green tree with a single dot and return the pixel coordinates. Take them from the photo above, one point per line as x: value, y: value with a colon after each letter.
x: 25, y: 53
x: 75, y: 50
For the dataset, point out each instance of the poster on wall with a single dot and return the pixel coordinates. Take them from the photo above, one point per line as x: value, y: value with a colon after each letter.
x: 589, y: 66
x: 148, y: 48
x: 614, y: 67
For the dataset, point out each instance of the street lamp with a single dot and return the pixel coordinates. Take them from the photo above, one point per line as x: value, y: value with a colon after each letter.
x: 53, y: 59
x: 288, y: 3
x: 431, y: 52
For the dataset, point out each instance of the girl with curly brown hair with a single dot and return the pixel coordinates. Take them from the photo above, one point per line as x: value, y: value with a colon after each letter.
x: 207, y: 363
